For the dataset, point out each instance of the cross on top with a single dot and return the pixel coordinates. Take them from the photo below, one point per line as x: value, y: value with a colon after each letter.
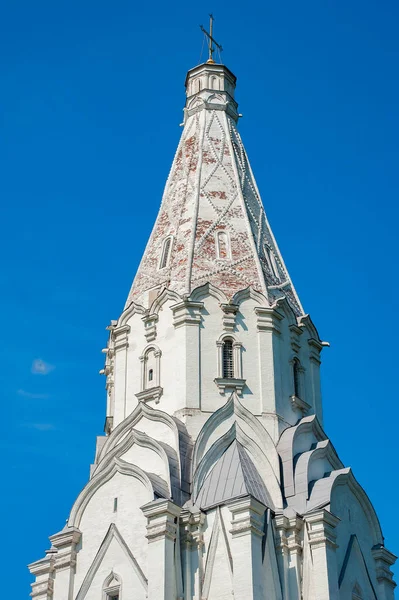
x: 211, y: 40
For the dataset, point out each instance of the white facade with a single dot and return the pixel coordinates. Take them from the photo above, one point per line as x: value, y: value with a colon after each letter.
x: 215, y: 478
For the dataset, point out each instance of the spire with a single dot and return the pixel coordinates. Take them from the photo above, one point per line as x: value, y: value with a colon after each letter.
x: 211, y: 225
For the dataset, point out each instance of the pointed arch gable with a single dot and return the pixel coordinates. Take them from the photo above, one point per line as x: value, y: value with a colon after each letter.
x: 259, y: 459
x: 131, y: 310
x: 167, y: 454
x: 110, y: 578
x: 142, y: 410
x: 306, y: 321
x: 347, y: 478
x: 250, y: 292
x: 208, y: 289
x: 287, y: 447
x: 236, y: 411
x: 283, y: 305
x: 112, y: 533
x: 153, y: 484
x: 324, y: 449
x: 164, y: 296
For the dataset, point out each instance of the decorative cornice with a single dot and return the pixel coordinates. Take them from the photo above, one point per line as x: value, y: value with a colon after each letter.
x: 153, y: 393
x: 321, y: 529
x: 247, y: 517
x: 120, y: 336
x: 268, y: 319
x: 187, y: 313
x: 229, y: 316
x: 161, y: 520
x: 150, y: 326
x: 300, y: 405
x: 226, y: 384
x: 383, y: 560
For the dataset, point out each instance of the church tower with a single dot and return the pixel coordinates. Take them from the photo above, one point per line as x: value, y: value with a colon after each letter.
x: 215, y: 479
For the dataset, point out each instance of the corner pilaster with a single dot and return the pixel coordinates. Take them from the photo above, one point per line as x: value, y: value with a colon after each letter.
x: 288, y: 541
x: 187, y: 320
x: 322, y: 541
x: 383, y: 561
x: 269, y: 333
x: 65, y: 560
x: 43, y: 570
x: 247, y: 532
x: 192, y: 544
x: 162, y: 529
x: 121, y: 344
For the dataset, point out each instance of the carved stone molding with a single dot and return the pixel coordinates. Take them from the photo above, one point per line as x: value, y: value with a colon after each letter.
x: 150, y: 326
x: 161, y: 520
x: 229, y: 316
x: 247, y: 516
x: 153, y: 393
x: 187, y: 313
x: 321, y: 529
x: 268, y: 319
x: 299, y: 404
x: 120, y: 336
x: 296, y: 332
x: 384, y: 560
x: 230, y: 384
x: 315, y: 348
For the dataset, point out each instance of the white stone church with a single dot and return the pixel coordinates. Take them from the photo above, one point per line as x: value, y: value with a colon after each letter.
x: 215, y: 479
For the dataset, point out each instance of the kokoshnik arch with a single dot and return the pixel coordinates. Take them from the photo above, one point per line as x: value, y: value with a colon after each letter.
x: 215, y: 479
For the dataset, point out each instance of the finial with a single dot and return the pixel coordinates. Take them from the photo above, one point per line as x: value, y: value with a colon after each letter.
x: 211, y: 41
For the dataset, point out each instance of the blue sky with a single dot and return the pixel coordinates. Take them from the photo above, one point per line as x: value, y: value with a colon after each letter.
x: 91, y: 97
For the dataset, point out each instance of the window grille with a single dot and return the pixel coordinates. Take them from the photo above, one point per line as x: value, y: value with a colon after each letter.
x: 228, y: 362
x: 296, y: 378
x: 165, y: 253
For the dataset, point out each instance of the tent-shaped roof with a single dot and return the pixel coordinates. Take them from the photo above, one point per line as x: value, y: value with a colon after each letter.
x: 233, y: 475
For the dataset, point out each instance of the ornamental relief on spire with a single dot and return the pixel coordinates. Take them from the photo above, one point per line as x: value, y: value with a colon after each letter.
x: 211, y: 226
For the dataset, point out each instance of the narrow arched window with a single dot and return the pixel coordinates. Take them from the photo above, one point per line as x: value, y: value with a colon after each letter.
x: 271, y: 261
x: 112, y: 587
x: 223, y: 250
x: 228, y: 360
x: 296, y: 367
x: 214, y: 83
x: 165, y: 253
x: 150, y: 368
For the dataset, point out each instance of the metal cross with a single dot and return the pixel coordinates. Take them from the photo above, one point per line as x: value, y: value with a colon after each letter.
x: 211, y: 41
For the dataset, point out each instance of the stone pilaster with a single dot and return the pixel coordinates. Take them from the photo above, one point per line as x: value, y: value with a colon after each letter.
x: 383, y: 561
x: 269, y: 332
x: 150, y: 326
x: 229, y: 316
x: 315, y: 347
x: 281, y: 525
x: 322, y: 541
x: 162, y: 529
x: 65, y: 561
x: 121, y: 344
x: 247, y: 532
x: 187, y: 320
x: 43, y: 570
x: 192, y: 544
x: 289, y: 554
